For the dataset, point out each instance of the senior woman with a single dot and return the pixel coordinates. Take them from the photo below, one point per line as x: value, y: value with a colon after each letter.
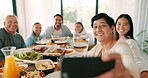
x: 103, y: 26
x: 35, y: 36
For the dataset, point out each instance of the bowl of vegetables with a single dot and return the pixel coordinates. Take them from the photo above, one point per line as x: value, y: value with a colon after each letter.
x: 27, y: 57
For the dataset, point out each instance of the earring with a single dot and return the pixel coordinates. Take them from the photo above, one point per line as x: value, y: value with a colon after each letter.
x: 112, y: 32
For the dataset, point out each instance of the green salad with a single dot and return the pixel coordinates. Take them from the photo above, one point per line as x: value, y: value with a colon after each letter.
x: 31, y: 55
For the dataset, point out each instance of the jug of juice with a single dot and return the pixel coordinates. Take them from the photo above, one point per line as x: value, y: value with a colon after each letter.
x: 11, y: 69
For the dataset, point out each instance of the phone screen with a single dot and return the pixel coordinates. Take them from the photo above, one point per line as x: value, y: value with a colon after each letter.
x: 84, y: 67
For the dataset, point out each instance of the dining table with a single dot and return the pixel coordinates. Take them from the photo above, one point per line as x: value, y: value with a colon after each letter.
x: 77, y: 51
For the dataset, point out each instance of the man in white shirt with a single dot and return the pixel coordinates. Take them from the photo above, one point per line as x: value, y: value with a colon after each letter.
x: 58, y: 29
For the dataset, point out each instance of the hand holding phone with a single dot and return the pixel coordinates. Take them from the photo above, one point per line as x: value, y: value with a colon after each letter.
x: 84, y: 67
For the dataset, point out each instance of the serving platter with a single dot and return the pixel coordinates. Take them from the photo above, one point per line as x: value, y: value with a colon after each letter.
x: 41, y: 48
x: 27, y: 57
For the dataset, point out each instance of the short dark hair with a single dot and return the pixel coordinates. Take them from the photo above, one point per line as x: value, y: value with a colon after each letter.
x: 108, y: 19
x: 59, y: 16
x: 36, y: 23
x: 129, y: 34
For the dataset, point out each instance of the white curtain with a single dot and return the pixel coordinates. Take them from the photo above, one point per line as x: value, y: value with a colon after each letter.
x: 142, y: 21
x: 31, y: 11
x: 137, y: 9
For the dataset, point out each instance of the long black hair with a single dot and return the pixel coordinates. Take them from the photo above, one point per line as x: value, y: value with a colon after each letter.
x: 129, y: 34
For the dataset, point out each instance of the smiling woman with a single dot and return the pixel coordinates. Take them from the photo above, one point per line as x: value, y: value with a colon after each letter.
x: 103, y: 26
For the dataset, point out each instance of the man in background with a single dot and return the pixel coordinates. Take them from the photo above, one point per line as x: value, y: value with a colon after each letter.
x: 58, y: 29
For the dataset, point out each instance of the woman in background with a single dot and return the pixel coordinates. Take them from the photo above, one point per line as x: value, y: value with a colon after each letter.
x: 35, y: 36
x: 124, y: 32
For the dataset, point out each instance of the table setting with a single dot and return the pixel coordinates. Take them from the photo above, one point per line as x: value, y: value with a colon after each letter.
x: 47, y: 51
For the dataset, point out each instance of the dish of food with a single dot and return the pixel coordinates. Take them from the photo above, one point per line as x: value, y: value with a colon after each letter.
x: 41, y: 48
x: 44, y: 64
x: 60, y: 41
x: 47, y: 66
x: 55, y: 50
x: 69, y: 50
x: 28, y: 57
x: 23, y: 66
x: 32, y: 74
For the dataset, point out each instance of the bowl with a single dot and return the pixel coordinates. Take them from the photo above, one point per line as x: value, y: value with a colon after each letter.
x: 47, y: 66
x: 69, y: 50
x: 22, y: 66
x: 52, y: 56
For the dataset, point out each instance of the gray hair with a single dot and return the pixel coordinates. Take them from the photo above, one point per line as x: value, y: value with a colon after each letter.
x: 11, y: 16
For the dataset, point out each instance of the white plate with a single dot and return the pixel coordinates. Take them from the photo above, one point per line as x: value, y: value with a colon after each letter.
x: 80, y: 44
x: 22, y: 50
x: 43, y: 42
x: 25, y: 65
x: 56, y: 74
x: 26, y: 61
x: 61, y: 41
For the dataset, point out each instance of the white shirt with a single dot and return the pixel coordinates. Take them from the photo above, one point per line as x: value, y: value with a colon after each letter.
x: 82, y: 35
x: 57, y: 33
x: 136, y: 53
x: 124, y: 50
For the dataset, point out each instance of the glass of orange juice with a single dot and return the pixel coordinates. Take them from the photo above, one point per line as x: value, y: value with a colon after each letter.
x: 78, y: 39
x: 11, y: 69
x: 70, y: 49
x: 48, y: 43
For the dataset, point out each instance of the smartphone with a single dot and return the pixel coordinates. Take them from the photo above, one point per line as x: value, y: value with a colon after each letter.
x: 84, y: 67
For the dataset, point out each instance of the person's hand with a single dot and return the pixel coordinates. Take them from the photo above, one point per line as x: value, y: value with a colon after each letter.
x: 119, y: 71
x: 144, y: 74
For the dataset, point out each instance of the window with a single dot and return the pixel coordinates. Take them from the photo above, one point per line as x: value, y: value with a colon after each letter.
x: 5, y: 9
x: 79, y: 11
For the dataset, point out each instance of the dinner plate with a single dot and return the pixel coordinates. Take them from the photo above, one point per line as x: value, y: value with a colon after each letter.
x: 22, y: 50
x: 80, y: 44
x: 60, y: 41
x: 56, y: 74
x: 26, y: 61
x: 42, y: 42
x: 24, y: 65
